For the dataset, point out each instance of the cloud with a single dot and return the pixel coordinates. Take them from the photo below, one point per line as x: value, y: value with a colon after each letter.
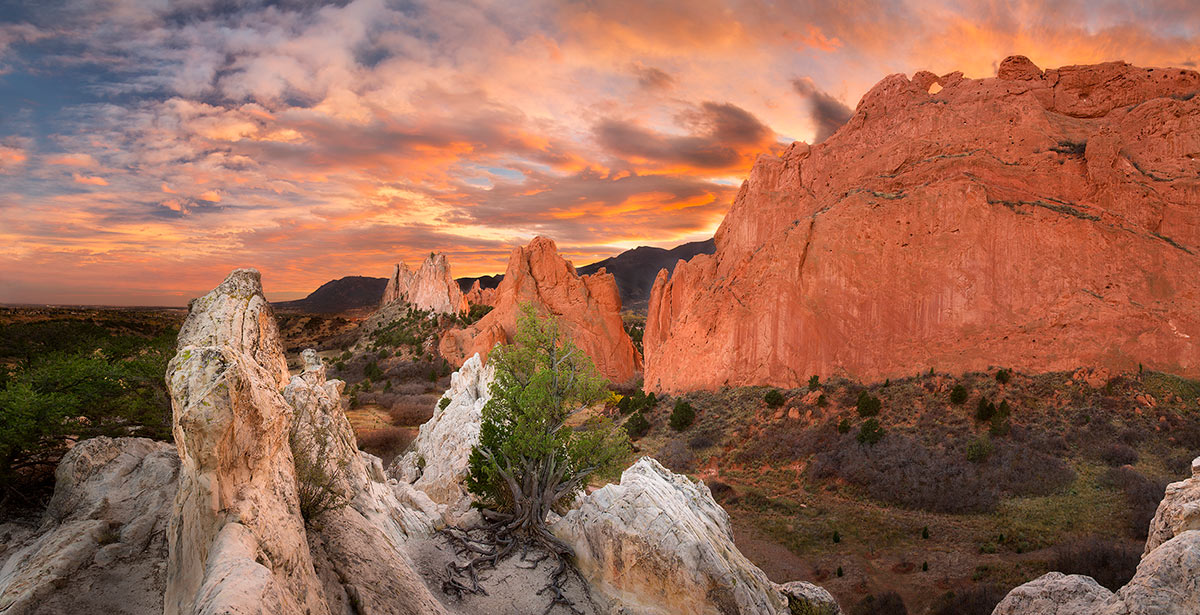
x: 651, y: 78
x: 723, y: 136
x: 89, y: 180
x: 72, y: 160
x: 828, y: 113
x: 12, y: 157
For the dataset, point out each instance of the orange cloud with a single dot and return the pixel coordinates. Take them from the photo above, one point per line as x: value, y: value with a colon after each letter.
x: 72, y: 160
x: 89, y: 180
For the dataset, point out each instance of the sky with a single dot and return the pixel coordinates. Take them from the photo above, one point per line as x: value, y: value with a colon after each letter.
x: 148, y: 147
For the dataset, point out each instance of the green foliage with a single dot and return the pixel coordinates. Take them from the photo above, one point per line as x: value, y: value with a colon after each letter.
x: 372, y: 372
x: 682, y: 416
x: 844, y: 425
x: 526, y: 456
x: 870, y: 432
x: 77, y: 380
x: 814, y: 382
x: 637, y: 402
x: 317, y: 484
x: 924, y: 566
x: 774, y: 398
x: 985, y: 410
x: 636, y: 426
x: 443, y: 402
x: 839, y: 571
x: 958, y: 395
x: 1004, y: 376
x: 474, y: 314
x: 836, y: 537
x: 868, y: 405
x: 821, y: 401
x: 411, y: 330
x: 979, y: 449
x: 925, y: 532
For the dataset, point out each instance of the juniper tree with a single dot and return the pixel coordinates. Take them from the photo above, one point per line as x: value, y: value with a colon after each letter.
x: 528, y: 462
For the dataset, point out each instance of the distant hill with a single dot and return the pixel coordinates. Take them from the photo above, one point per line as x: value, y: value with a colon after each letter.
x: 485, y: 281
x: 348, y: 293
x: 636, y: 269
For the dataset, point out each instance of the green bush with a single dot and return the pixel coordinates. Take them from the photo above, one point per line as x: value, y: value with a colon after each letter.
x: 443, y: 403
x: 979, y: 449
x: 958, y: 395
x: 636, y: 426
x: 774, y: 398
x: 1003, y: 376
x: 844, y: 425
x: 682, y: 416
x: 985, y: 410
x: 821, y: 401
x: 836, y: 537
x: 868, y: 405
x: 870, y: 432
x: 814, y: 383
x: 372, y: 372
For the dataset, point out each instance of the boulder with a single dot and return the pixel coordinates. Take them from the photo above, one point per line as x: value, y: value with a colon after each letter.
x: 1178, y: 512
x: 903, y: 242
x: 810, y: 599
x: 588, y: 307
x: 1055, y: 593
x: 101, y: 546
x: 658, y: 543
x: 437, y: 465
x: 1167, y: 581
x: 431, y: 287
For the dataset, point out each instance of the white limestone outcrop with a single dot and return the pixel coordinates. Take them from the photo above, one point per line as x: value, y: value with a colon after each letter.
x: 101, y: 545
x: 438, y: 462
x: 658, y: 543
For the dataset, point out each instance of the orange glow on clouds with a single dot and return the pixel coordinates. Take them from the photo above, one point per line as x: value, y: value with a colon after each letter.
x: 318, y: 143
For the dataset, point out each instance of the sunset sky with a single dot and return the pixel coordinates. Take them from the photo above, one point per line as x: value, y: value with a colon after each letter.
x: 147, y: 147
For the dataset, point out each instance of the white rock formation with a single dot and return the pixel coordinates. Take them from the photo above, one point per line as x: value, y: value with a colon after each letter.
x: 1055, y: 593
x: 101, y: 546
x: 658, y: 543
x: 437, y: 465
x: 238, y: 543
x: 808, y: 598
x: 430, y: 287
x: 1178, y: 512
x: 235, y: 532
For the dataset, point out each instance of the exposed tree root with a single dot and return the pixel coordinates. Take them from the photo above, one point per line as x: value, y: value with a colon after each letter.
x: 496, y: 541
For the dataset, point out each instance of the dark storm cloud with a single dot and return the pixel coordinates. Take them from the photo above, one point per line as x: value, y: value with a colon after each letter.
x: 723, y: 135
x: 828, y: 113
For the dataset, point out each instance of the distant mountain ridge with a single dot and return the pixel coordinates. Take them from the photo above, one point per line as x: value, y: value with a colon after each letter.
x: 348, y: 293
x: 634, y: 271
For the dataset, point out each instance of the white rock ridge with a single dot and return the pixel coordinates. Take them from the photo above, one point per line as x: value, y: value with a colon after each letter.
x: 431, y: 287
x: 658, y: 543
x: 1178, y: 512
x: 235, y: 533
x: 1055, y: 593
x: 101, y: 546
x: 438, y: 463
x: 237, y: 541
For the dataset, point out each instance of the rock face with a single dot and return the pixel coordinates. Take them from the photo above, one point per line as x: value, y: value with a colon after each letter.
x: 479, y: 295
x: 588, y: 307
x: 1055, y: 593
x: 101, y: 546
x: 430, y: 287
x: 658, y: 543
x: 1041, y: 220
x: 437, y: 464
x: 357, y: 549
x: 237, y: 541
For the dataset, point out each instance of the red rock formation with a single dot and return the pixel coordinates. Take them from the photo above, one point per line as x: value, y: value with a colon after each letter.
x: 1039, y: 220
x: 431, y: 287
x: 589, y: 307
x: 479, y: 295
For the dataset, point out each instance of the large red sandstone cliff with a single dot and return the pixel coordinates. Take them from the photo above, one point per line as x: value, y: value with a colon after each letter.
x: 589, y: 307
x: 430, y: 287
x: 1037, y: 220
